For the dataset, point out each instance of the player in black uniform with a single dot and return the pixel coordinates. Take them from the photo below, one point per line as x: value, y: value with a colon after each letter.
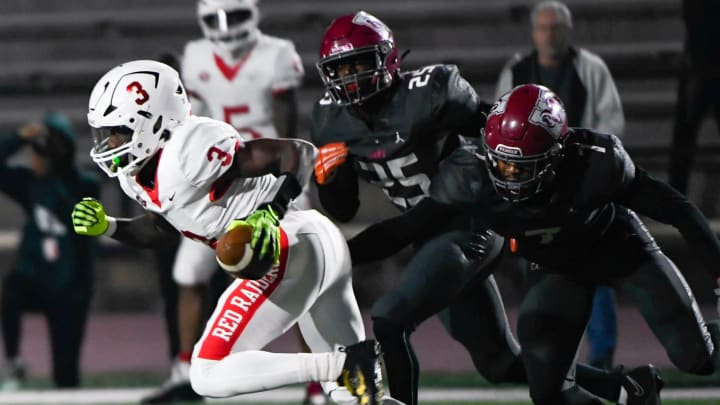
x: 565, y: 197
x: 392, y: 129
x: 398, y: 128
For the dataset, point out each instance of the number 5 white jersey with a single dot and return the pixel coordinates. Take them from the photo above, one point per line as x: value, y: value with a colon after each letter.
x: 240, y: 92
x: 186, y: 186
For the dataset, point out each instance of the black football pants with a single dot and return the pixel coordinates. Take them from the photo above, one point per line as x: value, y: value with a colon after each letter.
x: 66, y: 314
x: 556, y: 309
x: 449, y: 273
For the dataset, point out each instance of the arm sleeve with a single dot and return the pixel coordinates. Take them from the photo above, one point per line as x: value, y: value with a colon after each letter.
x: 661, y: 202
x: 388, y: 237
x: 340, y: 197
x: 145, y: 231
x: 288, y: 69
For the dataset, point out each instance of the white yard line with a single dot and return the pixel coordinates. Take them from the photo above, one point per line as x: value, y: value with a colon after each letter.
x: 293, y: 395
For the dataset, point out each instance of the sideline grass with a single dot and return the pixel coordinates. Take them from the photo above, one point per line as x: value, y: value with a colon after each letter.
x: 673, y: 379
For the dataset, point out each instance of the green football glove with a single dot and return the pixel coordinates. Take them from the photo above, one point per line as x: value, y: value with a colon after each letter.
x: 266, y: 232
x: 89, y: 218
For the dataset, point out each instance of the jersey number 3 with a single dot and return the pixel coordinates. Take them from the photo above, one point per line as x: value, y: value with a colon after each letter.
x: 219, y: 154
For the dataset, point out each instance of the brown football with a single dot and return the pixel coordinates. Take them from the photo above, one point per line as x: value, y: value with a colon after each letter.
x: 233, y: 249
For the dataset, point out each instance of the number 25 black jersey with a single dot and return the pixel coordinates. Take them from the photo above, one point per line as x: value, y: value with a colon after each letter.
x: 399, y: 147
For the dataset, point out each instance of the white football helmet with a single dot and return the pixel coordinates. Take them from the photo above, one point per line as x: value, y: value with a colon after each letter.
x: 132, y: 110
x: 229, y: 24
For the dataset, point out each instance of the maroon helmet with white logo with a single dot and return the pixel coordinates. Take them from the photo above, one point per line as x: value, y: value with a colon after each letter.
x: 357, y: 40
x: 524, y: 130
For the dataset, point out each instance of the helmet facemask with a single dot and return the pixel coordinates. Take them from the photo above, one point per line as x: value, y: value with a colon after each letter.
x: 229, y: 25
x: 529, y: 175
x: 368, y: 74
x: 113, y: 150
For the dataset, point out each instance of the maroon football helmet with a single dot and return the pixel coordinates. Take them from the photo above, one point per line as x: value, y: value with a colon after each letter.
x: 523, y: 139
x: 358, y: 58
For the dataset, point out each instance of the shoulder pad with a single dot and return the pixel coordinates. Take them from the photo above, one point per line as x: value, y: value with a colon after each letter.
x: 206, y: 151
x: 625, y: 165
x: 194, y: 46
x: 608, y: 167
x: 434, y: 75
x: 322, y: 113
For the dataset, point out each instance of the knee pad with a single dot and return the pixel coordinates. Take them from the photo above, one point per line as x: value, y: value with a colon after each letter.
x: 698, y: 358
x: 501, y: 369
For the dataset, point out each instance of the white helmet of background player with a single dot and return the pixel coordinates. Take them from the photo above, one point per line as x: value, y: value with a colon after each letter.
x: 229, y: 24
x: 132, y: 110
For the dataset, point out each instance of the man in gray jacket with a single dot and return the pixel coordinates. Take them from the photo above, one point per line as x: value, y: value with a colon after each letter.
x: 578, y: 76
x: 584, y: 84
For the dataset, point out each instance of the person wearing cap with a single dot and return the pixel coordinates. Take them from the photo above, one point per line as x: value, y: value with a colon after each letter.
x: 53, y: 267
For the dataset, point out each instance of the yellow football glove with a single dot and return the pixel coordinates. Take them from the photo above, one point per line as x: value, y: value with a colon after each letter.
x: 266, y: 232
x: 89, y: 218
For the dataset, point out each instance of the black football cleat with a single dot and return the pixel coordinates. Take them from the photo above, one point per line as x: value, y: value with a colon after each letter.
x: 362, y: 372
x: 172, y: 393
x: 642, y: 384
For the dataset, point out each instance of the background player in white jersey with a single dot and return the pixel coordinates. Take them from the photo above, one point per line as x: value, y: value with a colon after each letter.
x: 200, y: 176
x: 239, y: 75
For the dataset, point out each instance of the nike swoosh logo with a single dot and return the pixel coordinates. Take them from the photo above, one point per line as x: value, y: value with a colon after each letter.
x: 171, y: 197
x: 639, y: 391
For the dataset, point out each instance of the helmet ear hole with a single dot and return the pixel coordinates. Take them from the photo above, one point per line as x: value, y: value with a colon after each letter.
x: 158, y: 125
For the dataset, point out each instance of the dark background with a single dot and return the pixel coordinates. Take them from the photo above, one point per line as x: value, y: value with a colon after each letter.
x: 53, y: 52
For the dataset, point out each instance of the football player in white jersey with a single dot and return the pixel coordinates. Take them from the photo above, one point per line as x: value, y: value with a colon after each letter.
x: 201, y: 177
x: 239, y: 75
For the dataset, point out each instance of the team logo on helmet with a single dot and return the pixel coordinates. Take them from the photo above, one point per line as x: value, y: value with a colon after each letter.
x: 509, y: 150
x: 363, y: 18
x: 340, y: 47
x: 500, y: 105
x: 549, y: 114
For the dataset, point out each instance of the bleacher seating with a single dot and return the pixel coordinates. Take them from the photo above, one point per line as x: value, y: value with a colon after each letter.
x: 55, y: 51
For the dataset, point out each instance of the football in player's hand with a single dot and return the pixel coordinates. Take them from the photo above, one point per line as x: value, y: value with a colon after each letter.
x: 237, y: 258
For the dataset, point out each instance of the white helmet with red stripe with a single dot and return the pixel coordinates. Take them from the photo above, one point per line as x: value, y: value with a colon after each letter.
x: 131, y: 112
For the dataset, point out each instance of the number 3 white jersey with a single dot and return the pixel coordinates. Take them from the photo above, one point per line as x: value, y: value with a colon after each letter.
x: 240, y: 92
x: 187, y: 190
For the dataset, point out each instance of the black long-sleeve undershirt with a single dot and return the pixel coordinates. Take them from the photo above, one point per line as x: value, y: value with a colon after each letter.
x: 385, y: 238
x: 659, y: 201
x: 340, y: 197
x: 145, y: 231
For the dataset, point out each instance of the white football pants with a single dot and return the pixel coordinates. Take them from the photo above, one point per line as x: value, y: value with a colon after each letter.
x: 312, y: 287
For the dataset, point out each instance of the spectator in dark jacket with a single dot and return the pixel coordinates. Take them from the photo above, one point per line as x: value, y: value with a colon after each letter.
x: 53, y: 269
